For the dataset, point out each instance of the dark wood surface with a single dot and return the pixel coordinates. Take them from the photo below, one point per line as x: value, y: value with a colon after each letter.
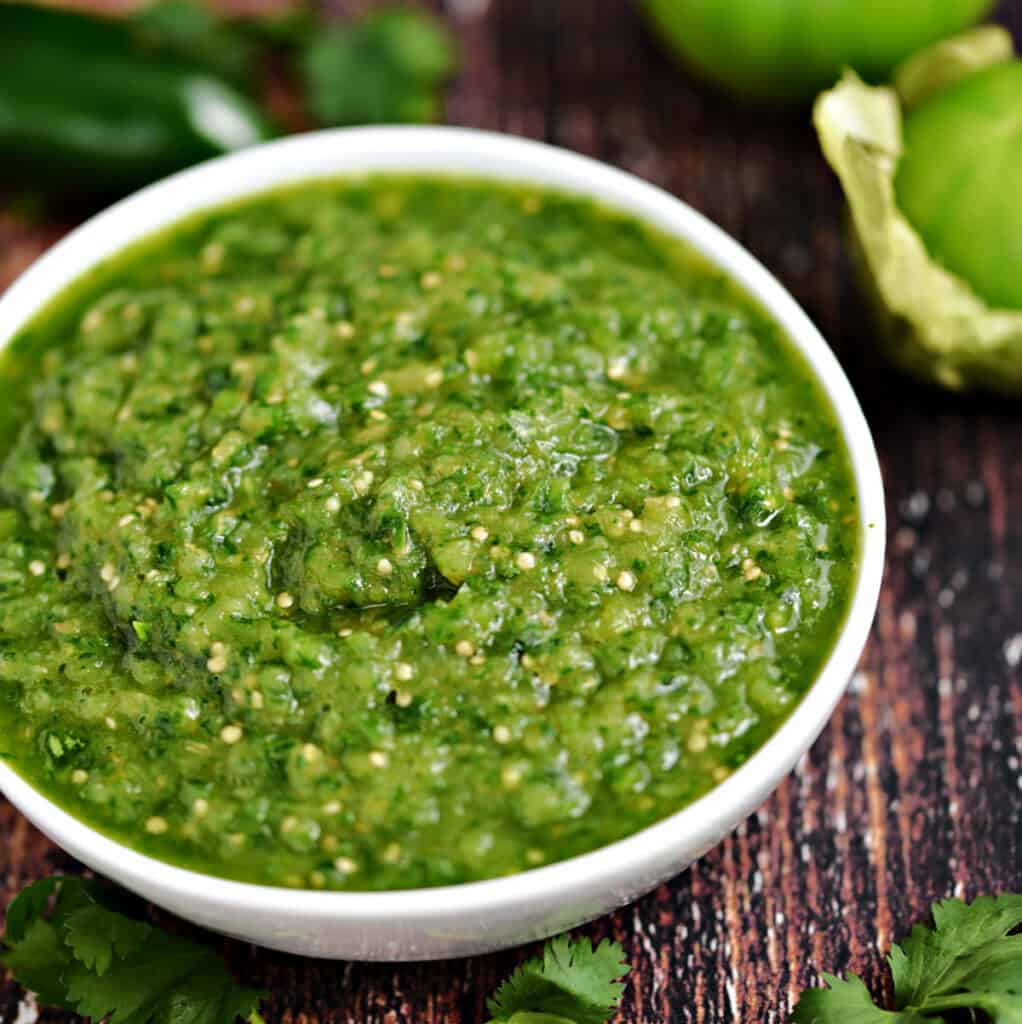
x: 914, y: 792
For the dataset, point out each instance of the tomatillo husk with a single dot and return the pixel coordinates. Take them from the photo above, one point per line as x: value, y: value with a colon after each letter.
x: 934, y: 322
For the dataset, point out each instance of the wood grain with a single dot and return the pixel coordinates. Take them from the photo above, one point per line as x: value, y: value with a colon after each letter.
x: 914, y: 791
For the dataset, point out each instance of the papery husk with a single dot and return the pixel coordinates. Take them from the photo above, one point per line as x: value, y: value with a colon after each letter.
x: 931, y: 321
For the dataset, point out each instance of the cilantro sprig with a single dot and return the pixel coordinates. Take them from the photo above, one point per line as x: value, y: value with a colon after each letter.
x: 572, y: 983
x: 386, y: 68
x: 969, y: 962
x: 67, y: 942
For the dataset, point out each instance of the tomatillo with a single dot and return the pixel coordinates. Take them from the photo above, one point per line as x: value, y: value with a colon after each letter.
x: 790, y: 49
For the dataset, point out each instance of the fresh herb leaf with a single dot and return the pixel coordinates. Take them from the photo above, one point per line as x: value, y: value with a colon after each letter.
x: 87, y: 957
x: 969, y: 961
x: 194, y: 35
x: 383, y: 69
x: 573, y: 983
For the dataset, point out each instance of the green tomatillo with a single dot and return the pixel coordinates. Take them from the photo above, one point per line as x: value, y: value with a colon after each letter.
x: 790, y: 49
x: 927, y: 168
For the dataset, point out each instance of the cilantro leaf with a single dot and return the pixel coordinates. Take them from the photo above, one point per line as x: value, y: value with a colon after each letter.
x: 969, y: 960
x: 28, y: 906
x: 194, y: 35
x: 39, y: 962
x: 97, y: 935
x: 169, y: 979
x: 573, y: 983
x: 952, y: 957
x: 87, y: 957
x: 847, y: 1001
x: 383, y: 69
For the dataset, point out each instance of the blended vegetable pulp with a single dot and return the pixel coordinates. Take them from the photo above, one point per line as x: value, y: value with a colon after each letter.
x: 403, y: 531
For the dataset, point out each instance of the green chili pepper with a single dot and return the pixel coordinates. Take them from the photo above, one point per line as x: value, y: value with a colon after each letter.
x: 85, y: 108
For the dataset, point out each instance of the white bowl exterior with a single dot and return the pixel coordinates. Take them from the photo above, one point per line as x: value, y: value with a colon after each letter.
x: 423, y: 924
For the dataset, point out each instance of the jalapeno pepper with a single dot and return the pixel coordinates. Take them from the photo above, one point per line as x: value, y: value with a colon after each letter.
x: 84, y: 108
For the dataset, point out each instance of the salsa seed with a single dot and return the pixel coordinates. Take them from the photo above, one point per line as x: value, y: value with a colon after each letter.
x: 617, y: 368
x: 387, y: 270
x: 368, y: 366
x: 403, y: 699
x: 36, y: 568
x: 535, y: 856
x: 431, y: 279
x: 256, y: 700
x: 79, y: 776
x: 231, y: 734
x: 434, y: 378
x: 332, y: 808
x: 217, y: 663
x: 635, y: 526
x: 315, y: 482
x: 212, y: 255
x: 384, y: 566
x: 107, y: 573
x: 345, y: 632
x: 311, y: 752
x: 501, y: 734
x: 626, y: 580
x: 750, y: 570
x: 379, y: 758
x: 345, y: 865
x: 110, y: 723
x: 285, y: 600
x: 416, y: 485
x: 200, y: 808
x: 479, y: 533
x: 464, y: 648
x: 392, y: 854
x: 378, y: 388
x: 378, y: 415
x: 576, y: 536
x: 333, y: 504
x: 344, y: 330
x: 510, y: 777
x: 404, y: 671
x: 600, y: 572
x: 156, y: 826
x: 526, y: 560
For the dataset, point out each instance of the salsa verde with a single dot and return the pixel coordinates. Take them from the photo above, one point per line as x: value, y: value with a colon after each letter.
x: 405, y: 531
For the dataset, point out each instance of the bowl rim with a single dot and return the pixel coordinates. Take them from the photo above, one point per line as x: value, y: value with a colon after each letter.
x: 470, y: 152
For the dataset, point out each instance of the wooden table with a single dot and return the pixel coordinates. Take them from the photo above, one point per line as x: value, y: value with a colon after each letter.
x: 914, y: 792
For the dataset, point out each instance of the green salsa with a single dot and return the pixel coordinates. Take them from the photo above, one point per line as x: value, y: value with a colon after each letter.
x: 403, y: 531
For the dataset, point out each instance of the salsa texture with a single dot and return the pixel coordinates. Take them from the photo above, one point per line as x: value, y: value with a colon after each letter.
x: 406, y: 531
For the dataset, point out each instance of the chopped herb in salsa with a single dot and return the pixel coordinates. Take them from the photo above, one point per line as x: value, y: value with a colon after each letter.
x: 406, y: 531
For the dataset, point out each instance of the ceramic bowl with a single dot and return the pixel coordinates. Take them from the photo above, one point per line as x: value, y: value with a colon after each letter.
x: 476, y: 917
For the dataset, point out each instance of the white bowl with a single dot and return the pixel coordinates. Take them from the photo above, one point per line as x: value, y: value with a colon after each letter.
x: 477, y: 917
